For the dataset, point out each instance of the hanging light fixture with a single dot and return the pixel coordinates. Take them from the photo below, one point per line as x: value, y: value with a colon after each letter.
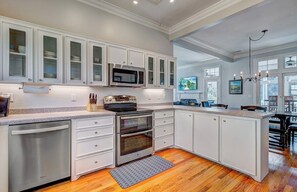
x: 290, y: 62
x: 258, y: 76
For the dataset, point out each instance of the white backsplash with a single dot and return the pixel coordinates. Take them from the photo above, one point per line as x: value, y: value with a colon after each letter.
x: 64, y: 96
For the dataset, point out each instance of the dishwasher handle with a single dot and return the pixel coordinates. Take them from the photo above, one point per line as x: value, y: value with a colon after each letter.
x: 42, y: 130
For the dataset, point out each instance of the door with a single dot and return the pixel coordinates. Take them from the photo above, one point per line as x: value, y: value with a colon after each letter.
x: 269, y: 93
x: 136, y: 58
x: 212, y: 91
x: 17, y: 53
x: 97, y: 68
x: 184, y: 130
x: 150, y: 66
x: 290, y: 92
x: 75, y: 60
x: 171, y: 74
x: 161, y: 72
x: 206, y: 135
x: 132, y: 124
x: 49, y: 54
x: 117, y: 55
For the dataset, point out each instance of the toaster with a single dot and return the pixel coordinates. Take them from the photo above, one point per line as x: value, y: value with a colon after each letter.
x: 4, y: 105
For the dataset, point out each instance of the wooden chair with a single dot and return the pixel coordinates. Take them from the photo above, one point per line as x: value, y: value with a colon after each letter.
x: 278, y: 134
x: 219, y: 105
x: 253, y: 108
x: 205, y: 104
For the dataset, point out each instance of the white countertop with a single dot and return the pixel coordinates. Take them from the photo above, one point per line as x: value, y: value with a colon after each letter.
x: 14, y: 119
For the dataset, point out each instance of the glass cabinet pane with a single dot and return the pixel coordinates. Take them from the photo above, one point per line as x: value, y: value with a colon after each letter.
x: 162, y: 72
x: 17, y: 53
x: 162, y: 66
x: 171, y: 69
x: 97, y: 63
x: 50, y: 57
x: 150, y: 70
x: 150, y: 64
x: 150, y: 77
x: 75, y: 58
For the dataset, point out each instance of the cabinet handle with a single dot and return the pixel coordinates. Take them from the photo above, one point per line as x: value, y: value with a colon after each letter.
x: 224, y: 121
x: 91, y: 82
x: 40, y: 79
x: 164, y: 130
x: 96, y: 145
x: 84, y: 82
x: 96, y: 122
x: 164, y: 142
x: 164, y: 121
x: 96, y: 162
x: 164, y: 114
x: 29, y: 79
x: 190, y: 115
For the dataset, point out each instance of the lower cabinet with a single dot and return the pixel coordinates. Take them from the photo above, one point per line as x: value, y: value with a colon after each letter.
x: 92, y: 145
x: 238, y: 144
x: 184, y: 130
x: 206, y: 135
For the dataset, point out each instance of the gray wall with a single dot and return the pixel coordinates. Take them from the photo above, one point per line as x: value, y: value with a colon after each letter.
x: 76, y: 17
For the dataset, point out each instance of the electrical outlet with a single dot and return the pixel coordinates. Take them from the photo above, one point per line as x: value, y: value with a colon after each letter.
x: 73, y: 97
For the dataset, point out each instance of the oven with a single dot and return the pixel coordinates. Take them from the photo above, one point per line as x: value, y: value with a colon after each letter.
x: 134, y: 137
x: 127, y: 76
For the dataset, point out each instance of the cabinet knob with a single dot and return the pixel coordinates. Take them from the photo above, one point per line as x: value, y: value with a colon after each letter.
x: 124, y: 62
x: 84, y: 82
x: 164, y: 114
x: 96, y: 122
x: 190, y: 115
x: 131, y: 63
x: 96, y: 145
x: 224, y: 121
x: 214, y: 119
x: 29, y: 79
x: 96, y: 132
x: 164, y: 121
x: 40, y: 79
x: 164, y: 131
x: 91, y: 82
x: 96, y: 162
x: 164, y: 142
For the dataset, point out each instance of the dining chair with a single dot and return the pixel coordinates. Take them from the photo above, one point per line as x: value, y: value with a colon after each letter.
x: 219, y: 105
x: 278, y: 133
x: 253, y: 108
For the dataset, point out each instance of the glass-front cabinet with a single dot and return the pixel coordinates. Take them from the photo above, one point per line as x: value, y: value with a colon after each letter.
x: 171, y: 73
x: 161, y: 72
x: 17, y: 53
x: 150, y: 67
x: 75, y: 60
x: 49, y: 50
x: 97, y: 68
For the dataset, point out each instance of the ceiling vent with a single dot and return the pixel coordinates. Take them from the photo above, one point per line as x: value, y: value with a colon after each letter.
x: 156, y: 2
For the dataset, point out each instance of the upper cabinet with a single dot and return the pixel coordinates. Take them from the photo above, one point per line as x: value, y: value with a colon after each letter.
x: 171, y: 73
x: 135, y: 58
x: 117, y: 55
x: 75, y: 61
x: 150, y: 67
x: 49, y: 50
x: 17, y: 53
x: 161, y: 72
x: 97, y: 67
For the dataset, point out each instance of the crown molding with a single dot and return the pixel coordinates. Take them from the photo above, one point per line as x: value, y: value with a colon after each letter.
x: 199, y: 63
x: 116, y: 10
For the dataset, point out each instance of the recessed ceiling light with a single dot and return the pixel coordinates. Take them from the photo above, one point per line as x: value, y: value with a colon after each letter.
x: 171, y: 1
x: 135, y: 2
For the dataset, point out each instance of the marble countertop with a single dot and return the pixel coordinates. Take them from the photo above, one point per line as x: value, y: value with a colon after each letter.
x: 14, y: 119
x: 219, y: 111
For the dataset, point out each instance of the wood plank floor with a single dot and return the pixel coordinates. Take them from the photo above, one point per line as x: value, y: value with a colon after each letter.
x: 192, y: 173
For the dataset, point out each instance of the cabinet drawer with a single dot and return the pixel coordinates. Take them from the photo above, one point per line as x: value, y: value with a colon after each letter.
x: 164, y: 121
x: 164, y: 130
x: 94, y: 162
x: 94, y: 145
x: 163, y: 142
x: 94, y: 132
x: 94, y: 122
x: 163, y: 114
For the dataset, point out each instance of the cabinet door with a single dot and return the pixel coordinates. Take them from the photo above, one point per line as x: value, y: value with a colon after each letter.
x: 238, y: 144
x: 49, y: 54
x: 136, y: 58
x: 17, y: 53
x: 161, y: 74
x: 75, y: 59
x: 97, y: 68
x: 171, y: 74
x: 150, y: 66
x: 206, y: 135
x: 184, y: 130
x: 1, y: 53
x: 117, y: 55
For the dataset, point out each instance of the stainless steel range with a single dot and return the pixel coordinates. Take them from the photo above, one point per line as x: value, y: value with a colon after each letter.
x: 134, y: 129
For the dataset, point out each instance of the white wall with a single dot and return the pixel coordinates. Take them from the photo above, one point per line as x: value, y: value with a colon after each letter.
x: 76, y: 17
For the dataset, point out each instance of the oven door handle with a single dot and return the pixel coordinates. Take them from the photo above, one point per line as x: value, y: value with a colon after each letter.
x: 135, y: 117
x: 138, y: 133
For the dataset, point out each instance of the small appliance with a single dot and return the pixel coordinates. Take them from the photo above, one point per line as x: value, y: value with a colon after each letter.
x: 4, y: 105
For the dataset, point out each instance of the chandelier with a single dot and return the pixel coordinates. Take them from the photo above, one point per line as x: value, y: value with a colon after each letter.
x: 258, y: 76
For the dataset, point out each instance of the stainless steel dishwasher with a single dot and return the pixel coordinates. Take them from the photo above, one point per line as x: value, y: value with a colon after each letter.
x: 39, y: 153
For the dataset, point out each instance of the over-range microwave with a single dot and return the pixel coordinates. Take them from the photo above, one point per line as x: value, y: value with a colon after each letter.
x: 126, y: 76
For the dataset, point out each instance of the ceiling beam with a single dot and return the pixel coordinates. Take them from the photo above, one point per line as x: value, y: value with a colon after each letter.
x: 209, y: 16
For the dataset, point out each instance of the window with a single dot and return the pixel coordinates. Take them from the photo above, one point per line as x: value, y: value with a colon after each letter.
x: 268, y: 65
x: 212, y: 72
x: 290, y: 61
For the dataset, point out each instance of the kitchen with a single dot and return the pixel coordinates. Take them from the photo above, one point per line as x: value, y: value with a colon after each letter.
x: 52, y: 68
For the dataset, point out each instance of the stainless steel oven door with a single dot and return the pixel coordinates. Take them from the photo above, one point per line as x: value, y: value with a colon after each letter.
x: 134, y: 146
x: 134, y: 123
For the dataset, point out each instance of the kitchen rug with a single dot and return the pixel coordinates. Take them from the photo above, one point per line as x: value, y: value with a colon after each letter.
x: 135, y: 172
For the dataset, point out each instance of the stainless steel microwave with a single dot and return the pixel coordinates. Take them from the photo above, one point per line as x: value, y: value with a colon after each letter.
x: 126, y: 76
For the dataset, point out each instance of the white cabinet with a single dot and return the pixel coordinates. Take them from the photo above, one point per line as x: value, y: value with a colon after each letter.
x: 17, y: 53
x: 135, y: 58
x: 238, y: 144
x: 117, y: 55
x: 184, y: 130
x: 92, y: 145
x: 97, y: 67
x: 75, y: 61
x: 151, y: 68
x: 49, y: 50
x: 1, y: 53
x: 206, y: 135
x: 171, y: 74
x: 162, y: 72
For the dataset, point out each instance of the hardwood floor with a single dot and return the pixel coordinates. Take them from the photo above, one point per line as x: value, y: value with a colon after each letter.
x: 192, y: 173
